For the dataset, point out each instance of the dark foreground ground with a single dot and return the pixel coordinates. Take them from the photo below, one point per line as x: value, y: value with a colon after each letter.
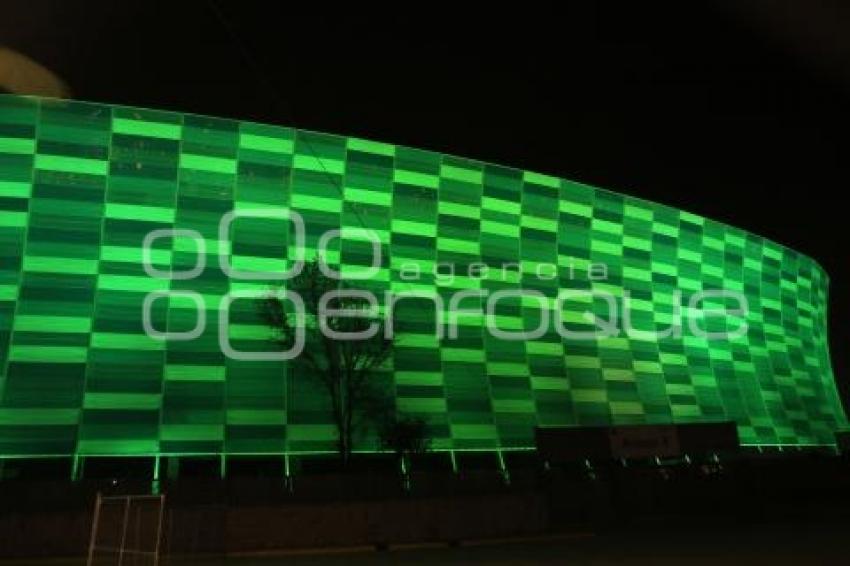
x: 788, y: 510
x: 775, y: 545
x: 807, y: 543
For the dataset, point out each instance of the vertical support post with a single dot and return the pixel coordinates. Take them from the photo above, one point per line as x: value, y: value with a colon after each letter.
x: 454, y: 461
x: 223, y: 469
x: 124, y: 530
x: 404, y: 464
x: 155, y: 483
x: 94, y: 525
x: 158, y: 531
x: 503, y: 468
x: 287, y: 472
x: 76, y: 467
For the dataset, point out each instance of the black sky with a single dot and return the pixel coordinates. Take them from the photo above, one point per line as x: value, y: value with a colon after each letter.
x: 726, y: 112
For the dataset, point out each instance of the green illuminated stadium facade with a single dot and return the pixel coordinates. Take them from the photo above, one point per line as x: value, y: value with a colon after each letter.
x: 82, y: 185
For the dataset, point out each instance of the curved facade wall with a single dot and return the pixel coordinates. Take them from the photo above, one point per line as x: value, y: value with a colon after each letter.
x: 82, y: 185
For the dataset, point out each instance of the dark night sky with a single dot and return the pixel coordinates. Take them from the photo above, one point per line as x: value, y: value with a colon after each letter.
x: 732, y: 111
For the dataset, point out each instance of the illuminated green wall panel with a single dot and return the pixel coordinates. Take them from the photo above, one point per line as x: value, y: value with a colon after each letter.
x: 81, y: 185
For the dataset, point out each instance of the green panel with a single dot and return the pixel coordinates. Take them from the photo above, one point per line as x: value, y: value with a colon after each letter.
x: 83, y: 185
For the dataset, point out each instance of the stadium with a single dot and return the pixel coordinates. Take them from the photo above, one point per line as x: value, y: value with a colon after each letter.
x: 82, y: 186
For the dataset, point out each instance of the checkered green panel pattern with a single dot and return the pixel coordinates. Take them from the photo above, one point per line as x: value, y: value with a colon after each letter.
x: 83, y: 185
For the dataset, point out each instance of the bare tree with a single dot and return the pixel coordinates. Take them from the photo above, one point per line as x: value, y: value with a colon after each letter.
x: 346, y: 368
